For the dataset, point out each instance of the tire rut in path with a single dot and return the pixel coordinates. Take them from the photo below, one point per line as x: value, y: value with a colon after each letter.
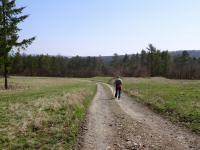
x: 125, y: 124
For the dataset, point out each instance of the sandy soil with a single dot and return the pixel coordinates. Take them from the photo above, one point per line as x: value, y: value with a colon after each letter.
x: 125, y: 124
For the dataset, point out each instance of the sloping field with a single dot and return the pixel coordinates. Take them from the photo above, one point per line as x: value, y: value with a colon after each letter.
x: 42, y: 113
x: 177, y: 99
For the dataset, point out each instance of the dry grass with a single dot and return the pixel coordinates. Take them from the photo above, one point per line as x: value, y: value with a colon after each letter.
x: 47, y: 121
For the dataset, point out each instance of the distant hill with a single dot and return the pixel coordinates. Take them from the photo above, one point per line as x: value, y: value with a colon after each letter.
x: 107, y: 59
x: 193, y: 53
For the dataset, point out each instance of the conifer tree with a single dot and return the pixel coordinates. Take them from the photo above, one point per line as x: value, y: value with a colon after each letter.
x: 10, y: 17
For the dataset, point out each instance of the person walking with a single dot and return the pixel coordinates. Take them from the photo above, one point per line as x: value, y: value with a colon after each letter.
x: 118, y: 87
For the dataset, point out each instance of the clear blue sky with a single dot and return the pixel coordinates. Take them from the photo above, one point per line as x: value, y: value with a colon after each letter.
x: 104, y: 27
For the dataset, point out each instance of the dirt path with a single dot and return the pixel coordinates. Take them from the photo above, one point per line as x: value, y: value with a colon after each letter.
x: 125, y: 124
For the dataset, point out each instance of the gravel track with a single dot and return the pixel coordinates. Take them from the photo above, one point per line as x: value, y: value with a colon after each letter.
x: 125, y: 124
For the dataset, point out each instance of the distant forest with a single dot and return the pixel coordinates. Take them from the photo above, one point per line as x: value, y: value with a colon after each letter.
x: 151, y: 62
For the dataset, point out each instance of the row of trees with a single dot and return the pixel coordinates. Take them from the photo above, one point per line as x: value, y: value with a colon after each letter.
x: 185, y: 67
x: 154, y: 62
x: 150, y: 62
x: 45, y: 65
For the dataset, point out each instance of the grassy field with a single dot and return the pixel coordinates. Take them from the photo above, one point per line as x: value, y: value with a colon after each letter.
x: 179, y: 100
x: 42, y: 113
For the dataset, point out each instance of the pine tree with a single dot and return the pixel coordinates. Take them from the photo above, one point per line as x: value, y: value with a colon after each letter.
x: 9, y: 38
x: 151, y: 56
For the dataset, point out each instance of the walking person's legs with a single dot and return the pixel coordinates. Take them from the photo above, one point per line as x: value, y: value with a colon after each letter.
x: 116, y: 90
x: 119, y: 93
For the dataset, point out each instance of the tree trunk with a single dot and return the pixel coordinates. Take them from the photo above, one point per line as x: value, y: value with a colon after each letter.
x: 5, y: 54
x: 5, y: 73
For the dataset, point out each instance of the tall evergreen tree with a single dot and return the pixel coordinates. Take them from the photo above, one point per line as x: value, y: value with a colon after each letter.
x: 9, y: 38
x: 151, y: 54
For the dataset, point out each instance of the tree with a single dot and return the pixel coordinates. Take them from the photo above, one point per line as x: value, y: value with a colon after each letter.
x: 151, y: 55
x: 166, y: 60
x: 9, y: 38
x: 116, y: 64
x: 143, y: 58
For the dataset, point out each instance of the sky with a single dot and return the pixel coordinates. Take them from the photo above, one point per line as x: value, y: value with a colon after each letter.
x: 105, y: 27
